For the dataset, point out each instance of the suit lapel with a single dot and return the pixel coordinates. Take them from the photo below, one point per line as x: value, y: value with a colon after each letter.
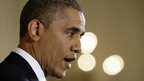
x: 23, y: 64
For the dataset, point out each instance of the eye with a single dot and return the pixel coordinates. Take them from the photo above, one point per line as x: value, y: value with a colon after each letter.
x: 82, y: 34
x: 70, y: 33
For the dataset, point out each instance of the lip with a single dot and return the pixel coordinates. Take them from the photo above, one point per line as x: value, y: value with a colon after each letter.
x: 68, y: 59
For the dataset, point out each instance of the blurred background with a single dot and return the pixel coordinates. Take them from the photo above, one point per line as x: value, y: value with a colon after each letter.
x: 117, y: 24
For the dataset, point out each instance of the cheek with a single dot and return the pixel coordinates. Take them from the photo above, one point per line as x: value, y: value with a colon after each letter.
x: 56, y: 52
x: 66, y: 49
x: 60, y: 53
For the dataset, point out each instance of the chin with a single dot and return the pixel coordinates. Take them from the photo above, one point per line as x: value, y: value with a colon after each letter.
x: 59, y: 75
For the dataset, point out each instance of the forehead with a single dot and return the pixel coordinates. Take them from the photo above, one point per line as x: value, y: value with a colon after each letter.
x: 75, y: 18
x: 72, y: 19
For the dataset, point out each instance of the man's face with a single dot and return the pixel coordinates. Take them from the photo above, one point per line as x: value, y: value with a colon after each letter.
x: 60, y: 43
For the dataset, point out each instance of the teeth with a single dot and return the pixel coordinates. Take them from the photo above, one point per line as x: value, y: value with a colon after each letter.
x: 67, y: 61
x: 69, y: 65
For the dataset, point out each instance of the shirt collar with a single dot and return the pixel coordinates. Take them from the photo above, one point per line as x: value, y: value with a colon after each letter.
x: 33, y: 63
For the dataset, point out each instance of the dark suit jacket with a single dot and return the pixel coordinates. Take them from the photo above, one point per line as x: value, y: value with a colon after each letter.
x: 15, y: 68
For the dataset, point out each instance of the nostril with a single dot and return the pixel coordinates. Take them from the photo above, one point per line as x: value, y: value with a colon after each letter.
x: 76, y: 46
x: 76, y: 50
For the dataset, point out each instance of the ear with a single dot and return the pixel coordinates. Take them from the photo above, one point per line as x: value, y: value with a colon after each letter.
x: 35, y: 29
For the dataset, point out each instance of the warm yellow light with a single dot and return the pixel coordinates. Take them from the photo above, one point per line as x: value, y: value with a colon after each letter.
x: 113, y: 65
x: 86, y: 62
x: 88, y: 42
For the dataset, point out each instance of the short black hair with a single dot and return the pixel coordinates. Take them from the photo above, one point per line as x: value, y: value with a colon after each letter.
x: 45, y: 11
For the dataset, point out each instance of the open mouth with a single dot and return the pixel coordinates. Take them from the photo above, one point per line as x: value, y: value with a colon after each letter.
x: 69, y: 59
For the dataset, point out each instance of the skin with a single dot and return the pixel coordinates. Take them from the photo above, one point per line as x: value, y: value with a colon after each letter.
x: 55, y: 47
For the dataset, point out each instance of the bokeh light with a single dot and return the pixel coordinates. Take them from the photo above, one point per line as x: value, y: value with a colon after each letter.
x: 86, y: 62
x: 113, y: 65
x: 88, y: 42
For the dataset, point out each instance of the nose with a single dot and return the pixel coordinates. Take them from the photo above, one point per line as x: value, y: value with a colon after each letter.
x: 76, y: 46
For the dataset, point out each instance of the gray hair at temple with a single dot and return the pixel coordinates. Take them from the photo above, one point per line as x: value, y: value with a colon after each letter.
x: 45, y: 11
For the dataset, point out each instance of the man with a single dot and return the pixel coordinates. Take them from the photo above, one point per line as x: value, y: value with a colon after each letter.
x: 50, y: 32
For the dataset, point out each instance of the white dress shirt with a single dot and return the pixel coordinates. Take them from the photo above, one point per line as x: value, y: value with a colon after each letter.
x: 33, y: 63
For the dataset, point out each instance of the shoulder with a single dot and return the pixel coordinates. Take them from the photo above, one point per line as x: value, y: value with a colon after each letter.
x: 12, y: 72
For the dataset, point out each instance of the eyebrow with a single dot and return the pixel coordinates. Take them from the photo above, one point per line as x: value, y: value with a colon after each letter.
x: 75, y: 29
